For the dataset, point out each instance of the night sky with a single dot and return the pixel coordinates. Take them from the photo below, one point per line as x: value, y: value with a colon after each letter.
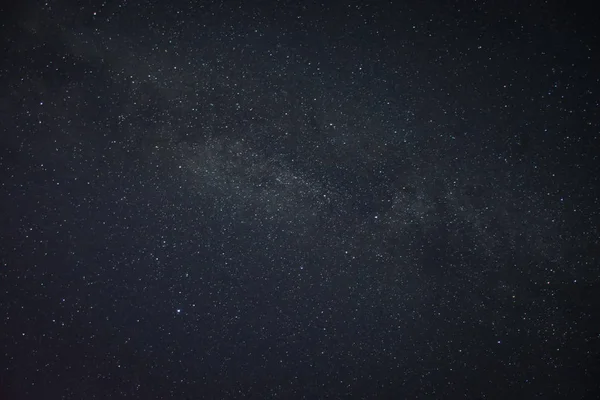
x: 288, y: 200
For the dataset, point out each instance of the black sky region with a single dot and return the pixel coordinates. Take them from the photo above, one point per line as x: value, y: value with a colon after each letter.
x: 283, y: 199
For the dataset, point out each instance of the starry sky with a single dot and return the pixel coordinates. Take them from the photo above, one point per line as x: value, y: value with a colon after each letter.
x: 282, y: 199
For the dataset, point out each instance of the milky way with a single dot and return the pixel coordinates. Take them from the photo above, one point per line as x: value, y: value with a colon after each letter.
x: 298, y: 201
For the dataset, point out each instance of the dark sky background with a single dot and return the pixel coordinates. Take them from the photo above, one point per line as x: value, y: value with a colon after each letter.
x: 278, y: 199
